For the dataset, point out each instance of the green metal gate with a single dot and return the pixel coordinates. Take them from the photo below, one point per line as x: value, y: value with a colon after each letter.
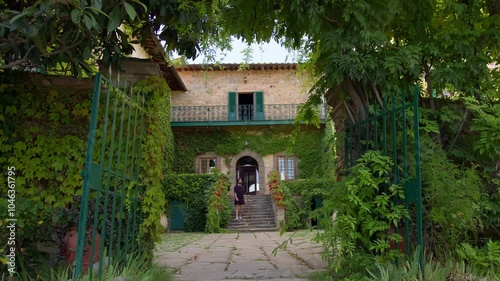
x: 393, y: 129
x: 110, y: 212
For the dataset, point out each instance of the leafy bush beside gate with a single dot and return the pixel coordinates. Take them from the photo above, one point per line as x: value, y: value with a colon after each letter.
x: 460, y: 201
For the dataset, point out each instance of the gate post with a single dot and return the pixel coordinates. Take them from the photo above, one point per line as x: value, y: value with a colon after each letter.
x: 82, y: 222
x: 416, y: 126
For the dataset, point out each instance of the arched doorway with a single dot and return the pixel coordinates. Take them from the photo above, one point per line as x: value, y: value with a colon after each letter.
x: 247, y: 169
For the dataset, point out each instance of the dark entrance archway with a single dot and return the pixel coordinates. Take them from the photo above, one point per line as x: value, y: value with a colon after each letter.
x: 247, y: 169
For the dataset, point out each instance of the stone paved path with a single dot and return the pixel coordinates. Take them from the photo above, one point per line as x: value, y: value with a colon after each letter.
x: 241, y: 256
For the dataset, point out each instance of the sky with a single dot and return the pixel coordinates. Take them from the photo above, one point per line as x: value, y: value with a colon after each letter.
x: 270, y: 52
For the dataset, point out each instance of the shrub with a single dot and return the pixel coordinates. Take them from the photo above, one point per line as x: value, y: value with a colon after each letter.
x: 194, y: 190
x: 275, y: 187
x: 367, y: 206
x: 219, y: 208
x: 300, y: 194
x: 451, y: 197
x: 485, y: 258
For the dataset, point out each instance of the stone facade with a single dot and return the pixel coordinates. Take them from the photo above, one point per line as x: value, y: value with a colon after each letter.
x: 211, y: 87
x: 280, y: 84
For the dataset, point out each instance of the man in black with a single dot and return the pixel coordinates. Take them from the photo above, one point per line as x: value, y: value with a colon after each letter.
x: 239, y: 199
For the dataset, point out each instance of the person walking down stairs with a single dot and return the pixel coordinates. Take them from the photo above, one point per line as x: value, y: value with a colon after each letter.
x: 239, y: 199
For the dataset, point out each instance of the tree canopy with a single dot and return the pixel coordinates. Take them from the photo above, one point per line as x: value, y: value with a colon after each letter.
x: 73, y: 34
x: 356, y: 46
x: 364, y: 47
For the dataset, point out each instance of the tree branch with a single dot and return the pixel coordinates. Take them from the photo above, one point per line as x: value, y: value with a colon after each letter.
x: 377, y: 95
x: 8, y: 44
x: 63, y: 49
x: 18, y: 62
x: 25, y: 57
x: 459, y: 129
x: 349, y: 112
x: 329, y: 19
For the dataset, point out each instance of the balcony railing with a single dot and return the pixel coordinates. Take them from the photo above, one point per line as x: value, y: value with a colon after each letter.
x: 248, y: 113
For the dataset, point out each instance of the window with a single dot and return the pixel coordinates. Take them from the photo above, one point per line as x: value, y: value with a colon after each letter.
x: 246, y: 106
x: 287, y: 167
x: 206, y: 164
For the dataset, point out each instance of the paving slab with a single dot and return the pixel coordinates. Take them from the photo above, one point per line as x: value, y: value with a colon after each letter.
x: 240, y: 256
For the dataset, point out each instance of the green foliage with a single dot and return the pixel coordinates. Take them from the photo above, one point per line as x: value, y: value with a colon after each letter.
x: 481, y: 264
x: 410, y: 270
x: 138, y: 268
x: 44, y: 136
x: 367, y: 207
x: 468, y: 132
x: 187, y: 187
x: 227, y: 144
x: 329, y: 148
x: 487, y: 123
x: 70, y: 37
x: 451, y: 198
x: 299, y: 194
x: 485, y: 258
x: 490, y: 207
x: 219, y: 208
x: 276, y: 188
x: 196, y: 218
x: 157, y: 149
x: 361, y: 48
x: 194, y: 190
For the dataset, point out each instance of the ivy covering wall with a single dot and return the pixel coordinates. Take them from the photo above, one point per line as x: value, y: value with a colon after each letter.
x: 43, y: 134
x: 305, y: 143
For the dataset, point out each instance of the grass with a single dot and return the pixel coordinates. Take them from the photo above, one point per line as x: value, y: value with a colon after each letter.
x: 137, y: 269
x: 304, y: 233
x: 172, y: 242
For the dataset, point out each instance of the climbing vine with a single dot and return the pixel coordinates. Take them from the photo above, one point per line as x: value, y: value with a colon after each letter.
x: 219, y: 208
x: 304, y: 144
x: 276, y: 188
x: 157, y: 149
x: 43, y: 134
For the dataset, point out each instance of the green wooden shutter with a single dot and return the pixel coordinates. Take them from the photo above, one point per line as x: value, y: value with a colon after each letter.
x: 231, y: 109
x: 259, y: 106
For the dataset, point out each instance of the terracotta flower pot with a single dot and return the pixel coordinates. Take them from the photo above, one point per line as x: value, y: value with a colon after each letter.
x: 70, y: 243
x: 401, y: 246
x: 164, y: 222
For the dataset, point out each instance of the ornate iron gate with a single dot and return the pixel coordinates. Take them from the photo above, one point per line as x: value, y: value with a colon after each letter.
x: 391, y: 128
x: 110, y: 212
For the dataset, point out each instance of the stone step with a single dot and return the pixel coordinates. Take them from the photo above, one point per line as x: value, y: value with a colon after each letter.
x: 251, y: 229
x: 244, y: 224
x: 255, y: 219
x: 258, y: 211
x: 248, y: 228
x: 255, y: 197
x: 258, y: 215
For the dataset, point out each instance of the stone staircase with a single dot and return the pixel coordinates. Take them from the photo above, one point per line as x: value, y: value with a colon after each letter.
x: 258, y: 214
